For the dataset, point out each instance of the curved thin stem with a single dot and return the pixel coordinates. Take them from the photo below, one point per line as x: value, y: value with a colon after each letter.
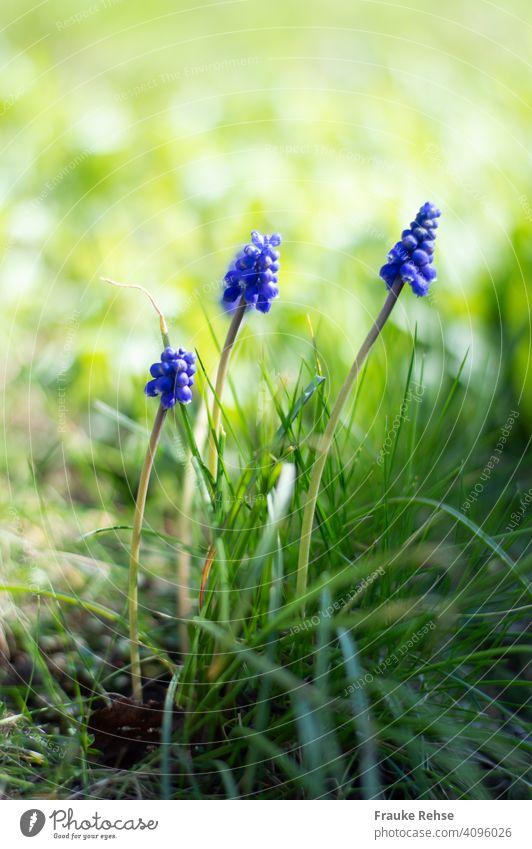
x: 221, y: 374
x: 162, y: 320
x: 328, y: 436
x: 134, y: 561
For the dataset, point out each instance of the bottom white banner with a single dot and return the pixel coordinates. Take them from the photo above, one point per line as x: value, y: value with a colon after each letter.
x: 259, y: 824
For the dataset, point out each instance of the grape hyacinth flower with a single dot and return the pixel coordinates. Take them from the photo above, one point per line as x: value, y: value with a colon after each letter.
x: 254, y: 273
x: 173, y: 377
x: 412, y: 259
x: 251, y: 281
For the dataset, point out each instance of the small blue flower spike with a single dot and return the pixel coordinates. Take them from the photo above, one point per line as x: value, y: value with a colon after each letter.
x: 254, y: 273
x: 412, y: 259
x: 173, y: 377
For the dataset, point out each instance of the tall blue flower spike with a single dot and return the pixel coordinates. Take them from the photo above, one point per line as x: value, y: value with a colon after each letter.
x: 173, y: 377
x: 254, y: 273
x: 412, y: 259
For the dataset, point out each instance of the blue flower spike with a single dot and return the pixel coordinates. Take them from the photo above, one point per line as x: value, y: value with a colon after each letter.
x: 254, y: 273
x: 412, y: 259
x: 172, y: 377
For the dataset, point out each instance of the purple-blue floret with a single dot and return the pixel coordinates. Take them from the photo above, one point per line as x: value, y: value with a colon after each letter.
x: 172, y: 377
x: 412, y: 259
x: 254, y: 273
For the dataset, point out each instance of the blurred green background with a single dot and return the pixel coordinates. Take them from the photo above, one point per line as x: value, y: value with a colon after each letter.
x: 145, y: 141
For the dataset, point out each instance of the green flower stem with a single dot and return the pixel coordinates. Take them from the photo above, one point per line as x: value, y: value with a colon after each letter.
x: 328, y: 437
x: 134, y: 562
x: 223, y: 366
